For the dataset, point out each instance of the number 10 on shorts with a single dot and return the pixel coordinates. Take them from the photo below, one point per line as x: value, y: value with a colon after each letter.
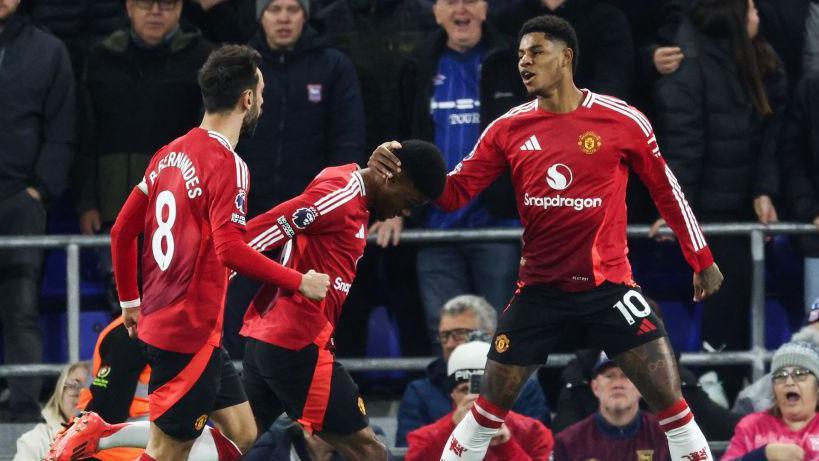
x: 633, y: 305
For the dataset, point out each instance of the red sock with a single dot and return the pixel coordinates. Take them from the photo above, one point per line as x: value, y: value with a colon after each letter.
x: 145, y: 457
x: 677, y: 415
x: 225, y: 448
x: 487, y: 414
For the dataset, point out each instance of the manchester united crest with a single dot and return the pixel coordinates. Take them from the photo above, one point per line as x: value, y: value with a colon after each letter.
x: 589, y: 142
x: 501, y: 344
x: 200, y: 422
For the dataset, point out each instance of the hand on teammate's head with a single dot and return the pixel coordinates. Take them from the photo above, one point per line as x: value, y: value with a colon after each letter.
x: 384, y: 161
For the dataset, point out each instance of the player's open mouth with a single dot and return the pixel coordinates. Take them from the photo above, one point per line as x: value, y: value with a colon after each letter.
x: 526, y: 76
x: 792, y: 397
x: 461, y: 22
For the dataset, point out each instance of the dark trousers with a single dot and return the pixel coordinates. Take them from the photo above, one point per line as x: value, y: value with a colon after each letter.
x: 20, y: 274
x: 727, y: 314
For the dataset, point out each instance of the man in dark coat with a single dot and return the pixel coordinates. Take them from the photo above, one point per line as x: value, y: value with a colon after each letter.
x: 37, y: 134
x: 138, y: 90
x: 799, y: 160
x: 313, y: 118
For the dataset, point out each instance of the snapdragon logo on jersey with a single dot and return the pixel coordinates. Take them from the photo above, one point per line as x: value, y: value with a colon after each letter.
x: 559, y: 177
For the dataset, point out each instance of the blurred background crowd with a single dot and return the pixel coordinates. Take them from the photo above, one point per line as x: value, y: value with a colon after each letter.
x: 90, y: 89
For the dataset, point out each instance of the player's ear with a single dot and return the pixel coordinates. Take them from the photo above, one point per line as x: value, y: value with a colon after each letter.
x: 568, y: 57
x: 247, y: 99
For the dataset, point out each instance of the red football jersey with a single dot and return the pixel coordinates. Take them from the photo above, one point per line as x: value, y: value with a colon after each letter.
x: 195, y: 185
x: 324, y: 229
x: 570, y: 173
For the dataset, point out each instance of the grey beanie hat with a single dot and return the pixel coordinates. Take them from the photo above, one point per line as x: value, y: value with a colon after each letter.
x: 797, y: 354
x: 261, y: 5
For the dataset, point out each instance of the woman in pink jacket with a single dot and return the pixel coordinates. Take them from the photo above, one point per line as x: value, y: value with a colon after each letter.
x: 789, y: 431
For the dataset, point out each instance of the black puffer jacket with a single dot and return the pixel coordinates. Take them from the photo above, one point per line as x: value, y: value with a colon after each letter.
x: 722, y: 152
x: 313, y: 118
x: 799, y: 157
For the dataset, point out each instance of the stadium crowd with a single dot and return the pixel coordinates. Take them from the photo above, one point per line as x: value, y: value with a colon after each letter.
x: 90, y: 89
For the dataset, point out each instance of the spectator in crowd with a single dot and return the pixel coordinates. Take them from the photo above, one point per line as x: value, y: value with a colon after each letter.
x: 793, y: 29
x: 576, y: 400
x: 37, y: 120
x: 799, y: 160
x: 138, y: 91
x: 457, y: 82
x: 377, y: 35
x: 618, y: 429
x: 78, y: 23
x: 606, y: 62
x: 789, y: 428
x: 428, y: 399
x: 287, y: 440
x: 222, y: 21
x: 759, y: 395
x: 718, y: 119
x: 520, y: 438
x: 58, y: 411
x: 315, y: 119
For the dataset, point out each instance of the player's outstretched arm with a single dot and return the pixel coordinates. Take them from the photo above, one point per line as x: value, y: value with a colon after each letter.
x: 127, y: 227
x: 237, y: 255
x: 707, y: 282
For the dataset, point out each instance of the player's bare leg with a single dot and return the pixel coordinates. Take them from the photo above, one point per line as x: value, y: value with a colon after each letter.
x: 500, y: 387
x: 163, y: 447
x: 359, y: 446
x: 238, y: 424
x: 653, y: 369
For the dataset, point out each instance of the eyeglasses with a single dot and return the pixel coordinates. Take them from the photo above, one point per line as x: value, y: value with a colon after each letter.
x: 459, y: 335
x: 799, y: 375
x: 164, y: 5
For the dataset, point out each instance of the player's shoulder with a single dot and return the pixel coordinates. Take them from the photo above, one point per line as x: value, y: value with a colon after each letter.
x: 336, y: 186
x: 618, y: 109
x: 518, y: 112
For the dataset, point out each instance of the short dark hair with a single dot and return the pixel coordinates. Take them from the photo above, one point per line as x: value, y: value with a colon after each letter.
x: 229, y: 71
x: 423, y: 164
x: 555, y: 28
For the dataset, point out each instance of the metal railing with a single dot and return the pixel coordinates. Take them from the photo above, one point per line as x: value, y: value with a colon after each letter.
x: 756, y: 356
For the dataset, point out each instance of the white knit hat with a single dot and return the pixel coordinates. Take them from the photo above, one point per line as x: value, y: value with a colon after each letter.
x: 466, y: 360
x: 796, y: 354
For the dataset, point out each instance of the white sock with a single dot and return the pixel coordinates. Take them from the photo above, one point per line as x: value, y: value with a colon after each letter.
x: 135, y: 435
x: 686, y: 441
x: 470, y: 439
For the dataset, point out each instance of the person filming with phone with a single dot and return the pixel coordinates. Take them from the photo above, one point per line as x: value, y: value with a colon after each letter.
x: 520, y: 437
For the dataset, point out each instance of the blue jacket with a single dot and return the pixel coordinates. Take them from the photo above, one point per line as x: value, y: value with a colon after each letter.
x: 427, y: 400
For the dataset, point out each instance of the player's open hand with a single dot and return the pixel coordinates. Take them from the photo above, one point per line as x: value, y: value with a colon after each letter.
x: 707, y: 282
x: 314, y: 285
x: 655, y: 228
x: 387, y: 231
x: 130, y: 317
x: 383, y: 161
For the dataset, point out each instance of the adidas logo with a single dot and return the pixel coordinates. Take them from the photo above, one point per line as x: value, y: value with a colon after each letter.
x: 361, y: 234
x: 646, y: 327
x: 531, y: 144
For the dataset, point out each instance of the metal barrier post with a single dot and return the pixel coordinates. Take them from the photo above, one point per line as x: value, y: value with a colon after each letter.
x: 758, y: 303
x: 72, y: 292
